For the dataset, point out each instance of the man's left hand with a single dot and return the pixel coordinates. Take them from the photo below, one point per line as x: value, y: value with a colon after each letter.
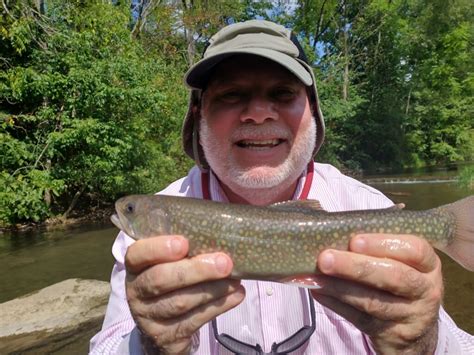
x: 389, y: 286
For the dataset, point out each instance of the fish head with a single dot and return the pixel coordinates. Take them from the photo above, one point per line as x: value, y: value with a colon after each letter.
x: 140, y: 216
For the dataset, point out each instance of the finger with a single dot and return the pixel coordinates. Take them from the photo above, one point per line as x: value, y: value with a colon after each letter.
x: 408, y: 249
x: 379, y: 304
x: 185, y: 326
x: 146, y: 252
x: 163, y: 278
x: 177, y: 303
x: 361, y: 320
x: 385, y: 274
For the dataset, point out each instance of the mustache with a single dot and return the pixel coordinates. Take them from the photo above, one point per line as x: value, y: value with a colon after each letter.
x: 265, y: 131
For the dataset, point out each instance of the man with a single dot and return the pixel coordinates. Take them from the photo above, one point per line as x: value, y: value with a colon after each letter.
x: 253, y: 127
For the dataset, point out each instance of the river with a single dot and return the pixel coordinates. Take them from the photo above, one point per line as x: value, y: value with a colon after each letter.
x: 34, y: 260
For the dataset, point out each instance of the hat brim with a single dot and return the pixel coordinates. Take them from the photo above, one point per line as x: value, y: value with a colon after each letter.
x: 198, y: 75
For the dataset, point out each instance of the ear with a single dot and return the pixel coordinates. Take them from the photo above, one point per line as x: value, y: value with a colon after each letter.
x: 196, y: 110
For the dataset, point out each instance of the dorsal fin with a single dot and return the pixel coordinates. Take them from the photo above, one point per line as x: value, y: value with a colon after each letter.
x: 301, y: 206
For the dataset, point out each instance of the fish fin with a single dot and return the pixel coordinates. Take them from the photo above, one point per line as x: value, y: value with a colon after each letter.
x: 302, y: 206
x: 397, y: 207
x: 301, y: 281
x: 461, y: 249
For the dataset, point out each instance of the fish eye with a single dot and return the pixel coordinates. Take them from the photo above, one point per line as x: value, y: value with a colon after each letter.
x: 130, y: 207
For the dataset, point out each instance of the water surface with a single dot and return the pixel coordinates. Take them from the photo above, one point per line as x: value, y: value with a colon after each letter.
x: 34, y: 260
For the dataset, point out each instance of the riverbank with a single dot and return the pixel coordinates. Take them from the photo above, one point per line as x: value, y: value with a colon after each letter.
x: 59, y: 318
x: 78, y: 218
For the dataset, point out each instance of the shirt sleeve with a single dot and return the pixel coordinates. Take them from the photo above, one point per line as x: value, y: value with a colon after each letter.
x: 119, y: 334
x: 115, y: 334
x: 451, y: 339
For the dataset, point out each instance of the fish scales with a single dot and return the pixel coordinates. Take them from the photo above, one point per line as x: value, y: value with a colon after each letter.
x: 271, y: 242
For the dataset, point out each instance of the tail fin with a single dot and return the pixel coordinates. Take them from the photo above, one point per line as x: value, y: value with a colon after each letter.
x: 461, y: 249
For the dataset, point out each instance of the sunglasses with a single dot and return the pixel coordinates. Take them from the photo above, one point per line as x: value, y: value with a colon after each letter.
x: 290, y: 344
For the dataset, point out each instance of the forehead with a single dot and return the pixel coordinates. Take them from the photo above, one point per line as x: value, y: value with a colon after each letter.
x: 245, y: 67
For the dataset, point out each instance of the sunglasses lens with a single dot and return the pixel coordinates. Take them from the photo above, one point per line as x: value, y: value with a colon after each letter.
x: 291, y: 344
x: 294, y: 342
x: 236, y: 346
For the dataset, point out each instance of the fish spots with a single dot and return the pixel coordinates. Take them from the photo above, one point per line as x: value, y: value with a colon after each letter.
x: 261, y: 244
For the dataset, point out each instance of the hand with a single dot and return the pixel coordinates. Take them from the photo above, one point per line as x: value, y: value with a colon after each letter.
x: 171, y: 296
x: 389, y: 286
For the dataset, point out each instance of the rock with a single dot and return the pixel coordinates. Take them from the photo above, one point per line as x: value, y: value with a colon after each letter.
x: 54, y: 318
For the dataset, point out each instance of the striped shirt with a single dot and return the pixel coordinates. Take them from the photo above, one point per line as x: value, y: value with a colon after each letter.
x: 270, y: 312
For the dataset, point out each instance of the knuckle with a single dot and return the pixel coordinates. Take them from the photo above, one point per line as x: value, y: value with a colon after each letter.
x: 377, y: 307
x: 425, y: 254
x: 186, y: 328
x: 420, y: 250
x: 181, y: 275
x: 434, y: 297
x: 408, y: 335
x: 148, y: 284
x: 364, y: 268
x: 172, y: 307
x: 414, y: 280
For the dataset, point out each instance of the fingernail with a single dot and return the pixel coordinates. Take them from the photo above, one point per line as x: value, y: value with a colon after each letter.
x: 176, y: 245
x: 238, y: 294
x: 222, y: 264
x: 326, y: 262
x: 359, y: 244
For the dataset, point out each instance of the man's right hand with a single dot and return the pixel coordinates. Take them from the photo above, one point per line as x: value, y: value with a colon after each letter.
x: 172, y: 296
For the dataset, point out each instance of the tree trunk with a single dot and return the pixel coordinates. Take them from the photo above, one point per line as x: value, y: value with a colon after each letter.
x: 47, y: 192
x: 345, y: 85
x: 189, y: 35
x: 40, y: 6
x: 145, y: 7
x: 191, y: 48
x: 407, y: 108
x: 73, y: 202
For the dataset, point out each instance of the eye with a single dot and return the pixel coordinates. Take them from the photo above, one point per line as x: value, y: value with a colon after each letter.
x: 231, y: 96
x: 130, y: 207
x: 284, y: 94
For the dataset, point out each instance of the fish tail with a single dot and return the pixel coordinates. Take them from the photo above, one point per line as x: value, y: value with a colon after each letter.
x: 461, y: 248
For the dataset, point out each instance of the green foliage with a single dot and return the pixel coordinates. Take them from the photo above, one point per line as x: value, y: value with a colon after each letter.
x: 22, y: 196
x: 88, y: 113
x: 92, y: 99
x: 466, y: 178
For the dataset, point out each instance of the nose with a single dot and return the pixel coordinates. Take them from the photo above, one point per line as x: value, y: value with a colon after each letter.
x: 258, y: 110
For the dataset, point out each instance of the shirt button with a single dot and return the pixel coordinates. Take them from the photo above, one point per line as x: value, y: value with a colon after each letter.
x: 269, y: 291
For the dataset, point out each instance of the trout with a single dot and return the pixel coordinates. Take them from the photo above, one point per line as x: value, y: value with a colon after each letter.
x: 283, y: 240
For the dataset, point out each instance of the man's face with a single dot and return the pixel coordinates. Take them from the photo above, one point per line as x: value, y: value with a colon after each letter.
x: 256, y: 129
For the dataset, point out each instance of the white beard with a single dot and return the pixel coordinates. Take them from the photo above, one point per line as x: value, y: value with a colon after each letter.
x: 262, y: 176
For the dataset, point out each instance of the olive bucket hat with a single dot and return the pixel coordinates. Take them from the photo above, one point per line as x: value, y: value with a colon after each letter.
x: 256, y: 37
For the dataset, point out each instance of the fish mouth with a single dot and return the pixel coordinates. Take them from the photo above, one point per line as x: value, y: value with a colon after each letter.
x: 122, y: 224
x: 116, y: 220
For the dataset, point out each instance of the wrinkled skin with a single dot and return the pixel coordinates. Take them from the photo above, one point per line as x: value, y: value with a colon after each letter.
x: 389, y: 287
x: 171, y: 296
